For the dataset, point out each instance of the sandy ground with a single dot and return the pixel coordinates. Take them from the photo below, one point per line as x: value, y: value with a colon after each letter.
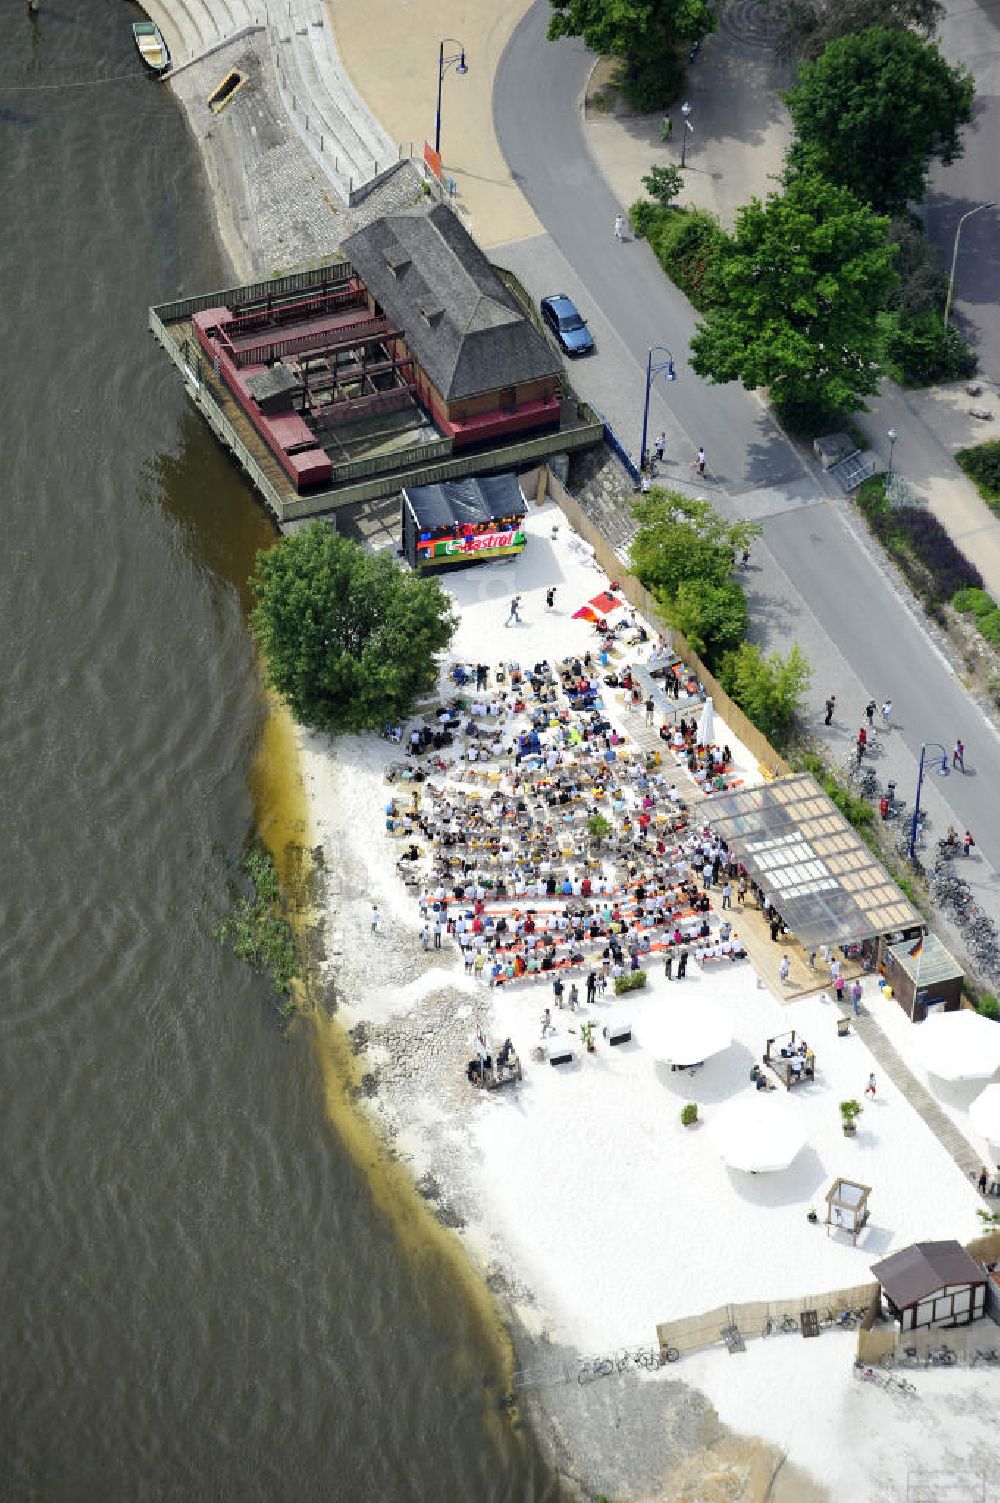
x: 580, y: 1194
x: 390, y: 50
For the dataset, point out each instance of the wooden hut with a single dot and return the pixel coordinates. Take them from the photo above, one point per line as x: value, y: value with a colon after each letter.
x: 933, y: 1284
x: 924, y: 976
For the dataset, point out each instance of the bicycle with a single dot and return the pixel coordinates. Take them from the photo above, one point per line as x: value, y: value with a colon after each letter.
x: 600, y: 1367
x: 941, y: 1356
x: 786, y: 1323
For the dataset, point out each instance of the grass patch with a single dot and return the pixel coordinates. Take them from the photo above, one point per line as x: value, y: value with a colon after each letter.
x: 257, y: 929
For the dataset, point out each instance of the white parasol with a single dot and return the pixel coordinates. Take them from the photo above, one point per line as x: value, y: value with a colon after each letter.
x: 959, y: 1045
x: 984, y: 1113
x: 679, y: 1035
x: 706, y: 723
x: 758, y: 1134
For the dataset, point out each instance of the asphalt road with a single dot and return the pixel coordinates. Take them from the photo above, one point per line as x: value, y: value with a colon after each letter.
x: 813, y: 579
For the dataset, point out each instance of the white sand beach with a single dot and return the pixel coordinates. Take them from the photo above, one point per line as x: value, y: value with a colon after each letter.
x: 579, y: 1185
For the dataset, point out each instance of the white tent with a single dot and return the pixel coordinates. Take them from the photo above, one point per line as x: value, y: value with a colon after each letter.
x: 706, y: 723
x: 959, y: 1045
x: 759, y: 1134
x: 679, y: 1033
x: 984, y: 1113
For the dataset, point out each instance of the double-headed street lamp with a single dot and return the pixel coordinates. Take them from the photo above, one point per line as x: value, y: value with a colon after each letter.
x: 954, y: 254
x: 686, y: 128
x: 662, y: 368
x: 456, y: 61
x: 941, y: 763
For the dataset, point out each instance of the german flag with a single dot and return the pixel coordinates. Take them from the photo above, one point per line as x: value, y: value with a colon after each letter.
x: 915, y: 950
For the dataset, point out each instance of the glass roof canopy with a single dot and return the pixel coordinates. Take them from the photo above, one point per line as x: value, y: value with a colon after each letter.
x: 818, y: 873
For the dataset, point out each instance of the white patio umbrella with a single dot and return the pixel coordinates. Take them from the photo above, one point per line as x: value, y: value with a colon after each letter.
x: 959, y: 1045
x: 984, y: 1113
x: 706, y: 723
x: 759, y: 1134
x: 679, y: 1035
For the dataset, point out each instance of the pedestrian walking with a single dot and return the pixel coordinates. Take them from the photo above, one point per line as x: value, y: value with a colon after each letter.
x: 650, y: 707
x: 547, y: 1025
x: 741, y: 891
x: 660, y: 447
x: 870, y: 1087
x: 619, y: 226
x: 967, y: 842
x: 745, y: 557
x: 374, y: 917
x: 574, y: 997
x: 425, y: 936
x: 856, y: 998
x: 838, y: 987
x: 870, y: 709
x: 727, y: 895
x: 698, y: 463
x: 438, y: 930
x: 984, y: 1179
x: 550, y: 597
x: 830, y: 706
x: 666, y: 129
x: 514, y: 612
x: 668, y: 965
x: 784, y: 969
x: 958, y: 756
x: 591, y: 988
x: 557, y: 990
x: 682, y: 965
x: 886, y: 711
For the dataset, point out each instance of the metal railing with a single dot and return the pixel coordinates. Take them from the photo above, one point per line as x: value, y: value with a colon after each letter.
x: 295, y: 281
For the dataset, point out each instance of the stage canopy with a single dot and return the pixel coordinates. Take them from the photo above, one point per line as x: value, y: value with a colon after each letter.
x: 457, y: 520
x: 818, y: 873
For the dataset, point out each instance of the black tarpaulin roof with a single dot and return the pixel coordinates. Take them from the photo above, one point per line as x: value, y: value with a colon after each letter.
x: 818, y: 873
x: 482, y: 498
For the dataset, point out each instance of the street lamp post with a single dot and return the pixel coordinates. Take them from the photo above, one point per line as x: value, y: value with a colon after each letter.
x: 954, y: 254
x: 457, y: 61
x: 943, y: 771
x: 686, y: 127
x: 664, y: 367
x: 892, y: 436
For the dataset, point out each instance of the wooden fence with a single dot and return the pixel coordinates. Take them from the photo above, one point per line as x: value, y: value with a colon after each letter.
x: 695, y: 1333
x: 636, y: 594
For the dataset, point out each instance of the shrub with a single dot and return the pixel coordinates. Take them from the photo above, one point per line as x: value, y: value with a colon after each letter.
x: 629, y: 981
x: 686, y: 243
x: 689, y: 1113
x: 769, y: 690
x: 982, y: 464
x: 598, y: 827
x: 989, y: 626
x: 988, y: 1006
x: 974, y: 602
x: 933, y: 565
x: 917, y: 351
x: 643, y: 214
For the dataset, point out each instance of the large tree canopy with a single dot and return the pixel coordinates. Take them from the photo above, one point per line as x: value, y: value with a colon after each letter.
x: 811, y: 25
x: 873, y: 110
x: 349, y: 637
x: 797, y: 290
x: 646, y: 33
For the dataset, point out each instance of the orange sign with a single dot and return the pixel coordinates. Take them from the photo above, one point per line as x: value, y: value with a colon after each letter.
x: 433, y: 159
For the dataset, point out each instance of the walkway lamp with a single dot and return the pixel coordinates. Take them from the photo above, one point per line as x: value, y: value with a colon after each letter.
x: 941, y: 763
x: 954, y: 254
x: 687, y: 128
x: 456, y: 61
x: 662, y: 368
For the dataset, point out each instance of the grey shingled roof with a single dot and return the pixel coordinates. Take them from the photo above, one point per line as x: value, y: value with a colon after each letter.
x: 463, y: 326
x: 917, y: 1271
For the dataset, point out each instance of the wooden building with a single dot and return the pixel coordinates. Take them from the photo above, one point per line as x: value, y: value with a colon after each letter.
x: 480, y: 368
x: 933, y: 1284
x: 924, y: 976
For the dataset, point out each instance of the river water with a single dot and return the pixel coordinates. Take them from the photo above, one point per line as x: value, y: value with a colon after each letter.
x: 201, y: 1296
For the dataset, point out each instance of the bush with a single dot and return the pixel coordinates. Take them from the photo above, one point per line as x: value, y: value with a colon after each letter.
x: 769, y: 690
x: 685, y: 242
x: 918, y: 351
x: 988, y: 1006
x: 932, y: 564
x: 653, y: 82
x: 974, y: 602
x: 982, y: 464
x: 857, y: 813
x: 630, y: 981
x: 642, y: 215
x: 989, y: 627
x: 598, y: 827
x: 689, y: 1113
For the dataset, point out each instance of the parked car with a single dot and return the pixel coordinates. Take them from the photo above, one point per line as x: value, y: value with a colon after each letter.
x: 564, y: 319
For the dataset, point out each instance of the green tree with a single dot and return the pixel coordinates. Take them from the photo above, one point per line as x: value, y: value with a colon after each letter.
x: 769, y: 690
x: 681, y: 539
x: 811, y: 25
x: 713, y: 617
x: 349, y: 637
x: 663, y: 184
x: 645, y: 33
x: 796, y: 291
x: 873, y: 110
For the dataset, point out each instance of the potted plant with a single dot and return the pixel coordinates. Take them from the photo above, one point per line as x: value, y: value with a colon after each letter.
x: 689, y: 1113
x: 587, y: 1034
x: 849, y: 1112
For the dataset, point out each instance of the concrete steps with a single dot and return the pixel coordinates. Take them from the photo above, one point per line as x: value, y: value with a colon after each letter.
x: 315, y: 113
x: 372, y: 139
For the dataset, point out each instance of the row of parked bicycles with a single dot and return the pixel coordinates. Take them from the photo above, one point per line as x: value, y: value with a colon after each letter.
x: 643, y: 1358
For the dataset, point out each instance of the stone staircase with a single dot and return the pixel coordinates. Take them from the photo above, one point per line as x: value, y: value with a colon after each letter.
x: 194, y: 27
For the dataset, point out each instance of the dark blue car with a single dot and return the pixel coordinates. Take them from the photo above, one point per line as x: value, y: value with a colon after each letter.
x: 563, y: 318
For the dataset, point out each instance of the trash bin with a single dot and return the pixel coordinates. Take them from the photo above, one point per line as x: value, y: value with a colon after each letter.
x: 843, y: 1027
